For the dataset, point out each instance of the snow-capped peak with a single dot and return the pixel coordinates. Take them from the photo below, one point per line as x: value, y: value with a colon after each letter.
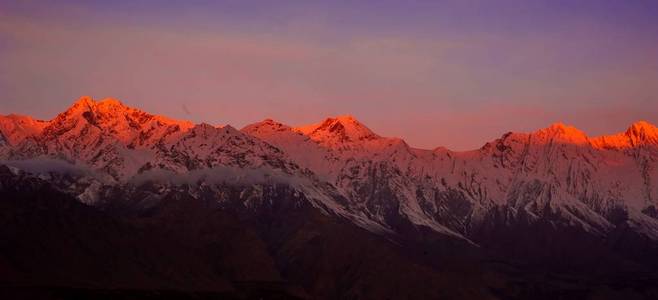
x: 642, y: 132
x: 638, y: 134
x: 562, y: 132
x: 110, y: 116
x: 83, y: 101
x: 266, y: 126
x: 338, y: 130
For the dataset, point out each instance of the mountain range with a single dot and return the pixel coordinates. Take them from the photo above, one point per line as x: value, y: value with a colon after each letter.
x: 330, y: 210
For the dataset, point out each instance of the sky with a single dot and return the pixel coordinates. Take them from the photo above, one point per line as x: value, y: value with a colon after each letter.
x: 436, y: 73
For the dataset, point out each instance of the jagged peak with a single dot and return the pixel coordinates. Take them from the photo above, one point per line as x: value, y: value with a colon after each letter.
x: 264, y: 126
x: 638, y: 133
x: 111, y: 108
x: 344, y: 128
x: 80, y: 106
x: 642, y: 133
x: 563, y: 132
x: 562, y: 128
x: 87, y: 103
x: 641, y: 128
x: 111, y: 103
x: 83, y: 104
x: 127, y: 124
x: 344, y: 119
x: 84, y: 101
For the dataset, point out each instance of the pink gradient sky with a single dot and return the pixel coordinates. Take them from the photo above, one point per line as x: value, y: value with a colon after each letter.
x: 454, y: 74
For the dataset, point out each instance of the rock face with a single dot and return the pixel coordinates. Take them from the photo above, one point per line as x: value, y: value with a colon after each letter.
x: 557, y: 174
x: 552, y: 198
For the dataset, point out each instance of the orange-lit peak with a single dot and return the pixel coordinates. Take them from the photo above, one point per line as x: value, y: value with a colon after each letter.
x: 563, y: 128
x: 336, y: 124
x: 564, y: 131
x: 110, y: 102
x: 127, y: 124
x: 16, y: 128
x: 345, y: 118
x: 83, y: 104
x: 638, y: 134
x: 108, y: 106
x: 641, y: 127
x: 266, y: 127
x: 88, y: 103
x: 338, y: 130
x: 84, y: 101
x: 642, y: 133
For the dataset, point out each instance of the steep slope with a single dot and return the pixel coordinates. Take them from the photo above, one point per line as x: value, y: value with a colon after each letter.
x: 557, y: 173
x: 120, y: 144
x: 365, y: 167
x: 305, y: 151
x: 114, y: 139
x: 562, y: 168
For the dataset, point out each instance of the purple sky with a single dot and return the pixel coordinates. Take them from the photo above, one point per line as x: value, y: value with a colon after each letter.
x: 436, y: 73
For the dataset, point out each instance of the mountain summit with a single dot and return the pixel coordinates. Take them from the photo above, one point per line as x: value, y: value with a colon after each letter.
x: 338, y: 130
x: 111, y: 117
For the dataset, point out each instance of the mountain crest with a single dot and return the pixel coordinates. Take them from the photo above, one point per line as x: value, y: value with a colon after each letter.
x: 110, y: 116
x: 16, y: 128
x: 642, y: 128
x: 642, y: 132
x: 337, y: 130
x: 88, y: 104
x: 87, y: 107
x: 563, y: 132
x: 638, y: 134
x: 84, y: 101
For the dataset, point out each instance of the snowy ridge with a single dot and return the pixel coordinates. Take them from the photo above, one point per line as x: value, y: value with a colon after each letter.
x: 558, y: 170
x: 557, y: 174
x: 14, y: 129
